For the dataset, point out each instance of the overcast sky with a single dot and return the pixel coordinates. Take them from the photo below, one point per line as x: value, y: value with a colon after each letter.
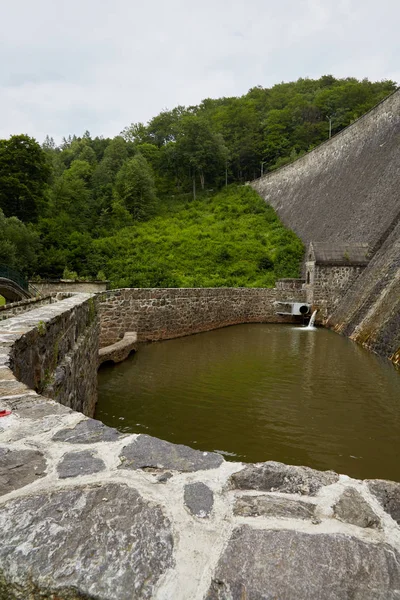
x: 71, y: 65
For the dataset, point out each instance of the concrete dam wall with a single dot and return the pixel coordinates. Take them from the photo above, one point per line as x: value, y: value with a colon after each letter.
x: 370, y: 311
x: 347, y: 191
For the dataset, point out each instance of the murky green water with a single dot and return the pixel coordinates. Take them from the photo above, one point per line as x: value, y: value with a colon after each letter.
x: 263, y: 392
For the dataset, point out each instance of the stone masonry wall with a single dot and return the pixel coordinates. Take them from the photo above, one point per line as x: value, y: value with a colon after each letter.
x: 88, y: 512
x: 15, y: 308
x: 54, y: 350
x: 66, y: 285
x: 157, y: 314
x: 328, y: 284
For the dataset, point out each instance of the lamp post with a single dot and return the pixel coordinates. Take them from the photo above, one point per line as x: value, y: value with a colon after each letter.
x: 262, y: 167
x: 330, y: 126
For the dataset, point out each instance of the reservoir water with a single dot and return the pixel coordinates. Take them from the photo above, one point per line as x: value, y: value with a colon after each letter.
x: 262, y: 392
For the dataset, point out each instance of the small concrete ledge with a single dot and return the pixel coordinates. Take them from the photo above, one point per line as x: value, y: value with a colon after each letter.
x: 120, y: 350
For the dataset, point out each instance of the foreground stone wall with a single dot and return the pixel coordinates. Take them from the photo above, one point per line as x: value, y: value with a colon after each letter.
x: 89, y: 513
x: 158, y: 313
x: 54, y: 350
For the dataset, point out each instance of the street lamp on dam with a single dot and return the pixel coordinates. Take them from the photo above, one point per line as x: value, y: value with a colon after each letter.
x: 330, y: 126
x: 262, y: 167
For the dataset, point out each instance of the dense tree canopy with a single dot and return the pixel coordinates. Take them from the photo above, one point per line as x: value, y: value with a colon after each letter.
x: 24, y: 173
x: 19, y: 246
x: 89, y: 199
x: 135, y: 188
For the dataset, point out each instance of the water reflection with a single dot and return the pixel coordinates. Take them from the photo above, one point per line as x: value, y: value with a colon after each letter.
x: 263, y: 392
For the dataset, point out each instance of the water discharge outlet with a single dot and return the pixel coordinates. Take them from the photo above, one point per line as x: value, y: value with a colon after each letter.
x: 292, y: 308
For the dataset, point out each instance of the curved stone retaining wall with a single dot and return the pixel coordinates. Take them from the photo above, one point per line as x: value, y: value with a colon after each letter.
x: 163, y: 313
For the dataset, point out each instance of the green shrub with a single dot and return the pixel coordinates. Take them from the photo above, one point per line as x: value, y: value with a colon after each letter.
x: 265, y: 264
x: 203, y: 244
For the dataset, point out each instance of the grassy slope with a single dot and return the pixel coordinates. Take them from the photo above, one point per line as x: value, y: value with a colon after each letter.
x: 229, y: 239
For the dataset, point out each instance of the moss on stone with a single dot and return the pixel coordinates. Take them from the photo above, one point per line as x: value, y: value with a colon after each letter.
x: 41, y: 327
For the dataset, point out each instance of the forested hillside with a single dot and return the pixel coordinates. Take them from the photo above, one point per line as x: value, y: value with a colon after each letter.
x: 145, y: 208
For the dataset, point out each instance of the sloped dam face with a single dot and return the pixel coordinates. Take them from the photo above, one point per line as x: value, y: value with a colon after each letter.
x: 262, y: 392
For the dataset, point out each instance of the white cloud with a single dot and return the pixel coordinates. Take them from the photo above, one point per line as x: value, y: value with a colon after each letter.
x: 97, y: 65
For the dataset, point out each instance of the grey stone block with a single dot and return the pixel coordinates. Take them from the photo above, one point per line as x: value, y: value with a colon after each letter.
x: 6, y: 374
x: 289, y: 565
x: 352, y: 508
x: 89, y: 431
x: 36, y: 407
x: 12, y: 388
x: 150, y: 452
x: 75, y: 464
x: 199, y: 499
x: 86, y: 542
x: 388, y: 494
x: 274, y: 476
x: 271, y: 506
x: 19, y: 468
x: 163, y: 478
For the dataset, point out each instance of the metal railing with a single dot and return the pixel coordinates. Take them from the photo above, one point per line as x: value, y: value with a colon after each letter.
x: 13, y: 275
x: 33, y: 290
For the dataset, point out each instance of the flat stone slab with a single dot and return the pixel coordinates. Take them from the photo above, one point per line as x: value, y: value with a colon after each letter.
x: 274, y: 476
x: 11, y: 387
x: 6, y: 374
x: 120, y: 350
x: 36, y: 407
x: 199, y: 499
x: 352, y: 508
x: 388, y: 494
x: 85, y: 542
x: 271, y: 506
x: 289, y: 565
x: 18, y: 468
x: 150, y: 452
x: 4, y: 358
x: 75, y: 464
x: 88, y: 431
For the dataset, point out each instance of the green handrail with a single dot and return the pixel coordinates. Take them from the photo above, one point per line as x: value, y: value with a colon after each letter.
x: 19, y: 279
